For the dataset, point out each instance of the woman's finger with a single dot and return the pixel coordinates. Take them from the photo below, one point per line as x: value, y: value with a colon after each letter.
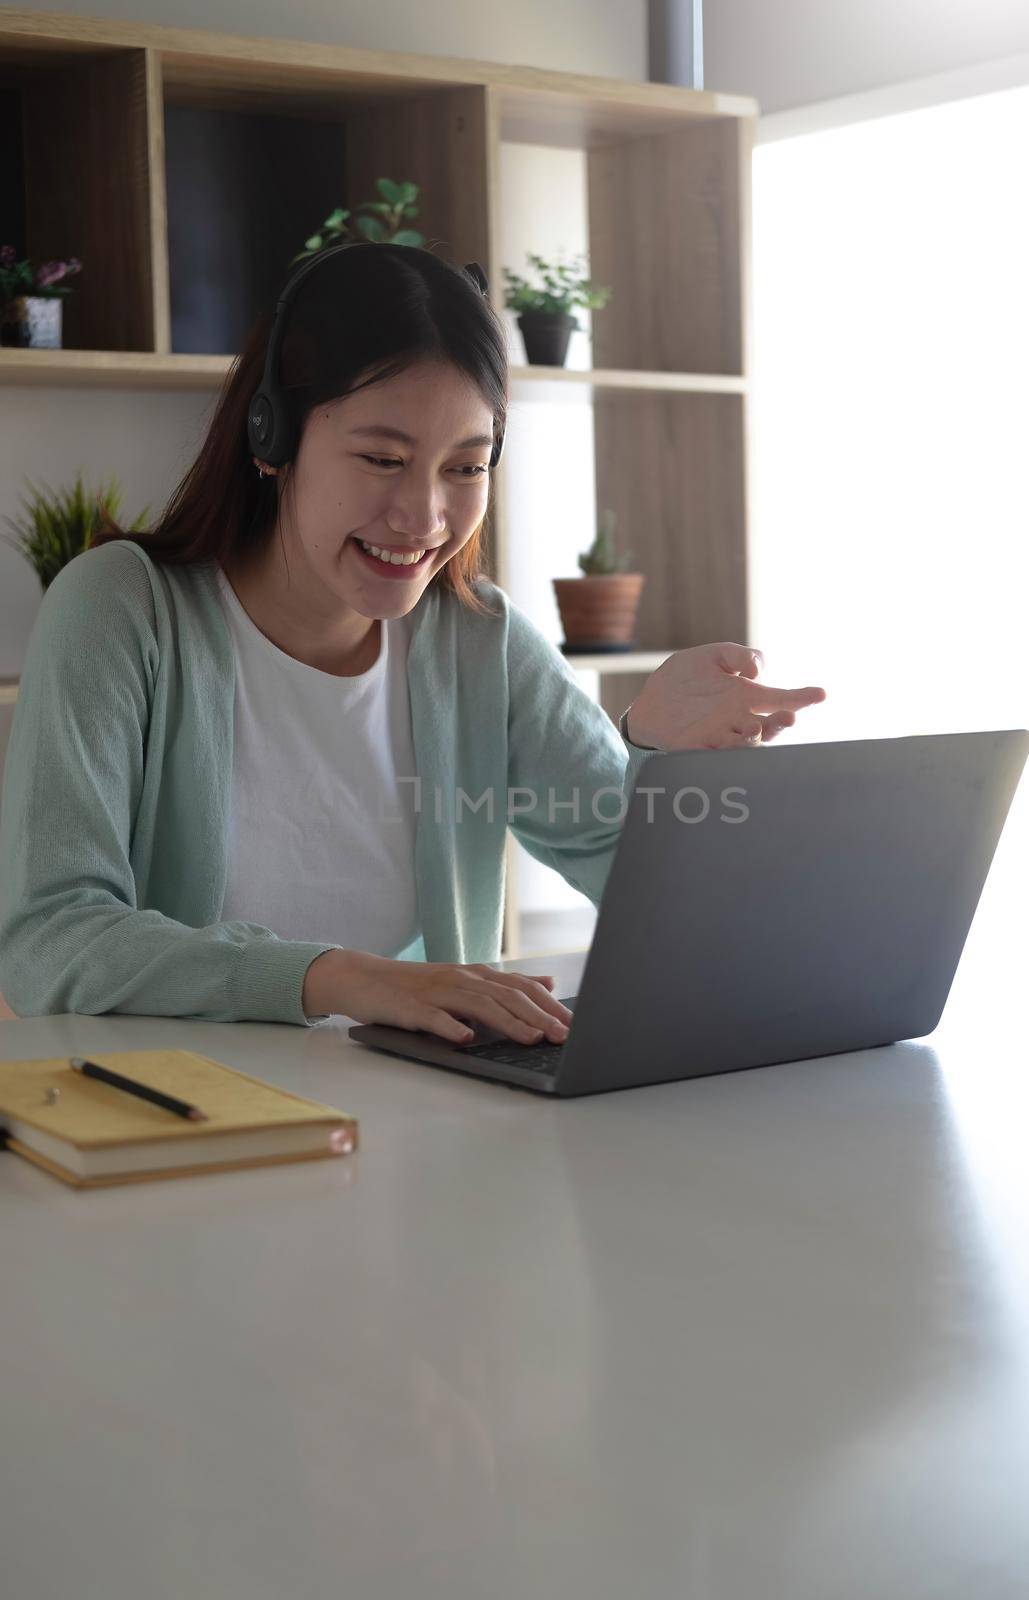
x: 527, y: 983
x: 776, y: 722
x: 433, y: 1019
x: 535, y: 998
x: 479, y: 1006
x: 494, y: 972
x: 763, y: 697
x: 546, y: 999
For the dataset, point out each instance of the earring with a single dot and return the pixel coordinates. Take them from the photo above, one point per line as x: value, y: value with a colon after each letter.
x: 264, y: 469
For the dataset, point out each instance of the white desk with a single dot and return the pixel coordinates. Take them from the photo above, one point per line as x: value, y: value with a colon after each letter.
x: 755, y: 1337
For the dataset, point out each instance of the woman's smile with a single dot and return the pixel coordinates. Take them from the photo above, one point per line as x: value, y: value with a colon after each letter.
x: 396, y: 561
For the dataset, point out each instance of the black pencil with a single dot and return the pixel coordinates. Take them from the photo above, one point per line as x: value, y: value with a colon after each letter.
x: 90, y: 1069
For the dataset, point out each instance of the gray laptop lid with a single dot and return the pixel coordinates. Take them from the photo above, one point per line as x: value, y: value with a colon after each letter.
x: 788, y: 901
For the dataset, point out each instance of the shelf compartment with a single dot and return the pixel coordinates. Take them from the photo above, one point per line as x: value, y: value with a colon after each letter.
x: 672, y: 468
x: 243, y: 193
x: 83, y: 123
x: 246, y: 187
x: 665, y: 234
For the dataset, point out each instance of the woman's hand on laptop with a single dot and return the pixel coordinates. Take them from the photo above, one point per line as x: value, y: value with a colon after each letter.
x: 434, y: 996
x: 707, y: 698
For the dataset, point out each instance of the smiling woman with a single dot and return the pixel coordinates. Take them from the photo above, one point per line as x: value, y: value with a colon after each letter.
x: 206, y: 804
x: 358, y: 536
x: 263, y: 755
x: 391, y: 341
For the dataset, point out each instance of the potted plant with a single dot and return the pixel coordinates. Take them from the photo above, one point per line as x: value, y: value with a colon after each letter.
x: 58, y: 527
x: 30, y: 302
x: 382, y: 226
x: 598, y: 610
x: 545, y: 315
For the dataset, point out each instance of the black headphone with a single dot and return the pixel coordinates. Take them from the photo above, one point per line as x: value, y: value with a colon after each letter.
x: 269, y: 424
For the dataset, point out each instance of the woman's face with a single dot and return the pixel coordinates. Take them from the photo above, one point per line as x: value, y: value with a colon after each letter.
x: 354, y: 481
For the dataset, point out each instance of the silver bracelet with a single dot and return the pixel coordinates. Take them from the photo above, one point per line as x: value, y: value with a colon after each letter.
x: 623, y: 729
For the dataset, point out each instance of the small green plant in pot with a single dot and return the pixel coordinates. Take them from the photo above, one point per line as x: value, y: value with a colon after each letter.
x: 545, y: 319
x: 58, y: 526
x: 598, y: 610
x: 385, y: 222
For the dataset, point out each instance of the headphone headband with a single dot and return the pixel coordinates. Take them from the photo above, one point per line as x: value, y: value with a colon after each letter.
x: 269, y: 426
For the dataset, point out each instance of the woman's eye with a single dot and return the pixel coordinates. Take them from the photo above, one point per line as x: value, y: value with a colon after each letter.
x: 472, y: 470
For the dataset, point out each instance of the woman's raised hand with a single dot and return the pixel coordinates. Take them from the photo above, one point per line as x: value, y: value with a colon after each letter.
x: 435, y: 996
x: 707, y: 698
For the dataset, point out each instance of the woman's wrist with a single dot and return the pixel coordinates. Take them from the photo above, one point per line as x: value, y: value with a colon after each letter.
x: 325, y: 981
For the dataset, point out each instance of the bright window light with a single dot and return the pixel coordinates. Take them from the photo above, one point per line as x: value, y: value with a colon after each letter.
x: 890, y: 447
x: 890, y: 420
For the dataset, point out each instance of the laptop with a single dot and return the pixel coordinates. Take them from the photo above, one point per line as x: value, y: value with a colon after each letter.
x: 764, y: 905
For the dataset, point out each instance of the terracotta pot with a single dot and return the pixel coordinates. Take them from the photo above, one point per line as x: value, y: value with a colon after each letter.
x: 599, y: 613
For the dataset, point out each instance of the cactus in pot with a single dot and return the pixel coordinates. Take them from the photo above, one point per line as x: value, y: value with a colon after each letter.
x: 598, y: 610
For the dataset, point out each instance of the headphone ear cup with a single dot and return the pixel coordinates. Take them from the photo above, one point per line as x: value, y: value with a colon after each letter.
x: 269, y: 429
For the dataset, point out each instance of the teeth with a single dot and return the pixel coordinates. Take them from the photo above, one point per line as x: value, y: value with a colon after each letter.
x: 394, y: 558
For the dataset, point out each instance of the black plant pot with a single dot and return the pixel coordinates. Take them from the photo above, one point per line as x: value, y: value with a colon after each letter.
x: 546, y: 335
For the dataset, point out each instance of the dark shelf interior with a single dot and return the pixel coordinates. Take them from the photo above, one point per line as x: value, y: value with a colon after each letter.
x: 12, y: 173
x: 244, y: 191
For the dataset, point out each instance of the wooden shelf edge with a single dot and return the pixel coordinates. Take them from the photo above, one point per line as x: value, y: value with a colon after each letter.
x: 627, y: 378
x: 113, y: 369
x: 146, y: 369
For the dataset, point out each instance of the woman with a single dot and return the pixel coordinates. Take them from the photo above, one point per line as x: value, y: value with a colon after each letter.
x: 264, y: 756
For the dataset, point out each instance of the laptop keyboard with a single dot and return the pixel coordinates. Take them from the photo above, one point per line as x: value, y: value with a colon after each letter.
x: 544, y: 1058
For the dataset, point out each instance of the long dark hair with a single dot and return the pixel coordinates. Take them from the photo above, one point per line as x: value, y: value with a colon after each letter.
x: 377, y: 308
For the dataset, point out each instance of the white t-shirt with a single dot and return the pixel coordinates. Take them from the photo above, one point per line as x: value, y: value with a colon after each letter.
x: 322, y: 834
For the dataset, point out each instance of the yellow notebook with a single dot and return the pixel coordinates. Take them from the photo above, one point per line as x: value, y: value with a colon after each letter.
x: 95, y: 1134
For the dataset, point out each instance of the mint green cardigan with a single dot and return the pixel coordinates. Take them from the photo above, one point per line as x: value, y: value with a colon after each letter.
x: 116, y: 793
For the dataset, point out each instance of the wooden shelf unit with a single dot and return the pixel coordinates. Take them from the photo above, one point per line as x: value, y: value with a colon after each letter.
x: 185, y: 167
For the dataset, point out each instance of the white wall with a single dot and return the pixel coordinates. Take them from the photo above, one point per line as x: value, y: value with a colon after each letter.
x: 149, y: 438
x: 793, y: 52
